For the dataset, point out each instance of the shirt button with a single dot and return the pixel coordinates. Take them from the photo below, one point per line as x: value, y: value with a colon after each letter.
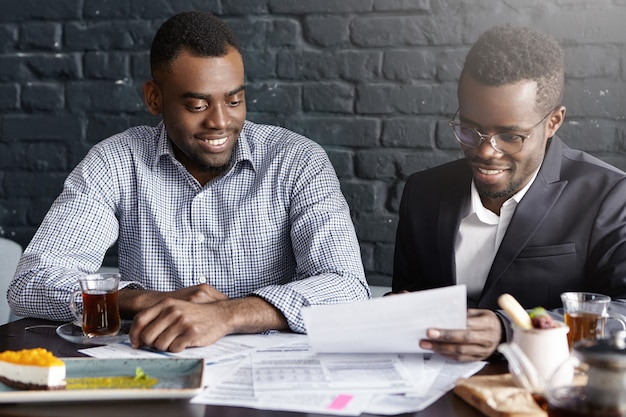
x: 200, y: 238
x: 202, y: 280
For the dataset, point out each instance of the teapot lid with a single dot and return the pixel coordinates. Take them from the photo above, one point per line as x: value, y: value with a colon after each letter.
x: 604, y: 353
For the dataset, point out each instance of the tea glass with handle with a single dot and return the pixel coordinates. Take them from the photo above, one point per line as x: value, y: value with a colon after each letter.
x: 100, y: 313
x: 586, y: 314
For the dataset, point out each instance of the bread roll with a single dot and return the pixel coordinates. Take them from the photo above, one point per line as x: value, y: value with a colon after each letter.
x: 497, y: 396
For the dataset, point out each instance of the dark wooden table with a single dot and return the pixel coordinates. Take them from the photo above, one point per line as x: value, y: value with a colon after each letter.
x: 16, y: 336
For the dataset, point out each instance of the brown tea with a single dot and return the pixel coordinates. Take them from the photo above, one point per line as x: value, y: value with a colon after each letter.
x: 584, y: 326
x: 101, y: 316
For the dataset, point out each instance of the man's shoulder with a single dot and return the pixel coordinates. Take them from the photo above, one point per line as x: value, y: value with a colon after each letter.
x: 579, y: 158
x: 136, y: 145
x: 578, y: 163
x: 137, y: 138
x: 271, y: 134
x: 269, y: 139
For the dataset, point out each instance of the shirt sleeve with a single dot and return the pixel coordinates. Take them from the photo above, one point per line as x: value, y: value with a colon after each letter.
x: 329, y: 268
x: 71, y: 241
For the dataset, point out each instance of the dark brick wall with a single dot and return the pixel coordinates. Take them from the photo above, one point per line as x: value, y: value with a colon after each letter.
x: 373, y: 81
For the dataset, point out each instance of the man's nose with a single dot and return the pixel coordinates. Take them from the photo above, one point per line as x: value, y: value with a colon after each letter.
x: 216, y: 117
x: 487, y: 149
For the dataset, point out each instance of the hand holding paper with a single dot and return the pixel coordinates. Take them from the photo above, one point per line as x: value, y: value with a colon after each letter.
x: 393, y: 324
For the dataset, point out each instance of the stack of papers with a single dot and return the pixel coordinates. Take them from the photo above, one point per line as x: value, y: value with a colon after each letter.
x: 375, y: 365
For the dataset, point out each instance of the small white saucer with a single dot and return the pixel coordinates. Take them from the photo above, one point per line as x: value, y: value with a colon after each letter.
x: 73, y: 333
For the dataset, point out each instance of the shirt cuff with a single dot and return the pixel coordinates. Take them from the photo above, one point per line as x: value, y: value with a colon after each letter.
x: 131, y: 285
x: 505, y: 325
x: 288, y: 302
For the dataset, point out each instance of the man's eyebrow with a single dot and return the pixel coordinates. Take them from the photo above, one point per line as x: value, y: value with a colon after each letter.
x: 194, y: 95
x: 497, y: 128
x: 235, y: 91
x: 201, y: 96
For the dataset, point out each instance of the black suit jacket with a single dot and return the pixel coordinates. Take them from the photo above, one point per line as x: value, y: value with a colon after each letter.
x: 568, y: 233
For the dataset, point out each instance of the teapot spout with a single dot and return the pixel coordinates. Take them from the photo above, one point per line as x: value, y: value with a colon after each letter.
x: 523, y: 371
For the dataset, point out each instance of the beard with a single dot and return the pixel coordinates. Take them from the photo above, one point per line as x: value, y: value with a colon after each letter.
x: 507, y: 192
x: 217, y: 170
x: 214, y: 164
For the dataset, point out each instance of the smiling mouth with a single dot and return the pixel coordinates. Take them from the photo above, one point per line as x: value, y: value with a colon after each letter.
x: 490, y: 171
x: 215, y: 142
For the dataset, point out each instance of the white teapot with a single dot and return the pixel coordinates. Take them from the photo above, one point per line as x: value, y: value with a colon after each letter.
x: 535, y: 354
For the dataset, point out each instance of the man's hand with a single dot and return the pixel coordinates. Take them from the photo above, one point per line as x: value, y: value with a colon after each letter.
x: 477, y: 342
x: 173, y: 325
x: 132, y: 301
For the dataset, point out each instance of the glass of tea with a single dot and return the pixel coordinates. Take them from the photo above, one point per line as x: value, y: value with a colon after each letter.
x: 101, y: 313
x: 586, y: 314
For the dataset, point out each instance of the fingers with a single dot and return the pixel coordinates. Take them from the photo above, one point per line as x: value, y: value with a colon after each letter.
x: 211, y: 293
x: 458, y: 352
x: 454, y: 336
x: 173, y: 325
x: 145, y: 326
x: 477, y: 342
x: 201, y: 293
x: 457, y: 345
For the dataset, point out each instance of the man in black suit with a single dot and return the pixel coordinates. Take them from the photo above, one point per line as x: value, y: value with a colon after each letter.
x: 522, y: 213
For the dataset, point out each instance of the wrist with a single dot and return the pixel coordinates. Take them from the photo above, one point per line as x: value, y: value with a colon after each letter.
x: 251, y: 314
x: 131, y: 301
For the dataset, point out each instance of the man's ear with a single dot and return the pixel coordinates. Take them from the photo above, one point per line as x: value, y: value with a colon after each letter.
x: 152, y: 96
x: 556, y: 120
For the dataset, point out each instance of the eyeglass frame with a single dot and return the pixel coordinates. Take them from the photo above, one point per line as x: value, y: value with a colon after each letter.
x: 484, y: 137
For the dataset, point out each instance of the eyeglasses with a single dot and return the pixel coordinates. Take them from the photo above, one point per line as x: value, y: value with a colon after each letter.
x: 506, y: 142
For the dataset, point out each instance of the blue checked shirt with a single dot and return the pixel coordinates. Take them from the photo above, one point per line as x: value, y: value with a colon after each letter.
x: 275, y: 224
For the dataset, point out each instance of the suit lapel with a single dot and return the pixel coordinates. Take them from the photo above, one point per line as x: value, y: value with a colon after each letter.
x: 454, y: 196
x: 530, y: 212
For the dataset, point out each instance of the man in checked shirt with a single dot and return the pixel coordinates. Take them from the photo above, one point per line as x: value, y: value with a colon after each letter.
x: 223, y: 226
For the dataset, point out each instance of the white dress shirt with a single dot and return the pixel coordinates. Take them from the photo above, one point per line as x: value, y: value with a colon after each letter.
x: 477, y: 241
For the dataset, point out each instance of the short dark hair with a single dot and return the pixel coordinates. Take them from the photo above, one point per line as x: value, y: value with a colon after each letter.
x: 200, y: 33
x: 508, y: 54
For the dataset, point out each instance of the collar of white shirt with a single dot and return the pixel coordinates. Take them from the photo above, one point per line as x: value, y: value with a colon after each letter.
x: 478, y: 239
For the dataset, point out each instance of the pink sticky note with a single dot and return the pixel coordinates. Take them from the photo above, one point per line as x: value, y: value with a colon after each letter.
x: 340, y: 402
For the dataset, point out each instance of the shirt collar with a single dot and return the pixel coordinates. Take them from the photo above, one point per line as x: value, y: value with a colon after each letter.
x: 163, y: 144
x: 241, y: 152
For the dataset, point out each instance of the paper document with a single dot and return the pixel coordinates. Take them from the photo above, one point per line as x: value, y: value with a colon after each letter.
x: 226, y: 348
x: 444, y: 378
x: 292, y: 378
x: 237, y: 389
x: 296, y: 367
x: 392, y: 324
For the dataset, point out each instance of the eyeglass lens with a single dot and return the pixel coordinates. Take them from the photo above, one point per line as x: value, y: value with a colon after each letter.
x: 502, y: 142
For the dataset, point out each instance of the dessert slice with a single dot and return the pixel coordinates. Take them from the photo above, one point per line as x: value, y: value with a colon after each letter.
x: 32, y: 369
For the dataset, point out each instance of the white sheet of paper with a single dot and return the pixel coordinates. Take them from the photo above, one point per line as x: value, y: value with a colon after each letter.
x: 392, y: 324
x: 296, y: 367
x: 237, y: 389
x: 447, y: 372
x: 421, y: 375
x: 224, y: 349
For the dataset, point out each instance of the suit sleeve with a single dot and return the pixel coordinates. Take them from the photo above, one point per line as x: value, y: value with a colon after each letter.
x: 406, y: 275
x: 607, y: 256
